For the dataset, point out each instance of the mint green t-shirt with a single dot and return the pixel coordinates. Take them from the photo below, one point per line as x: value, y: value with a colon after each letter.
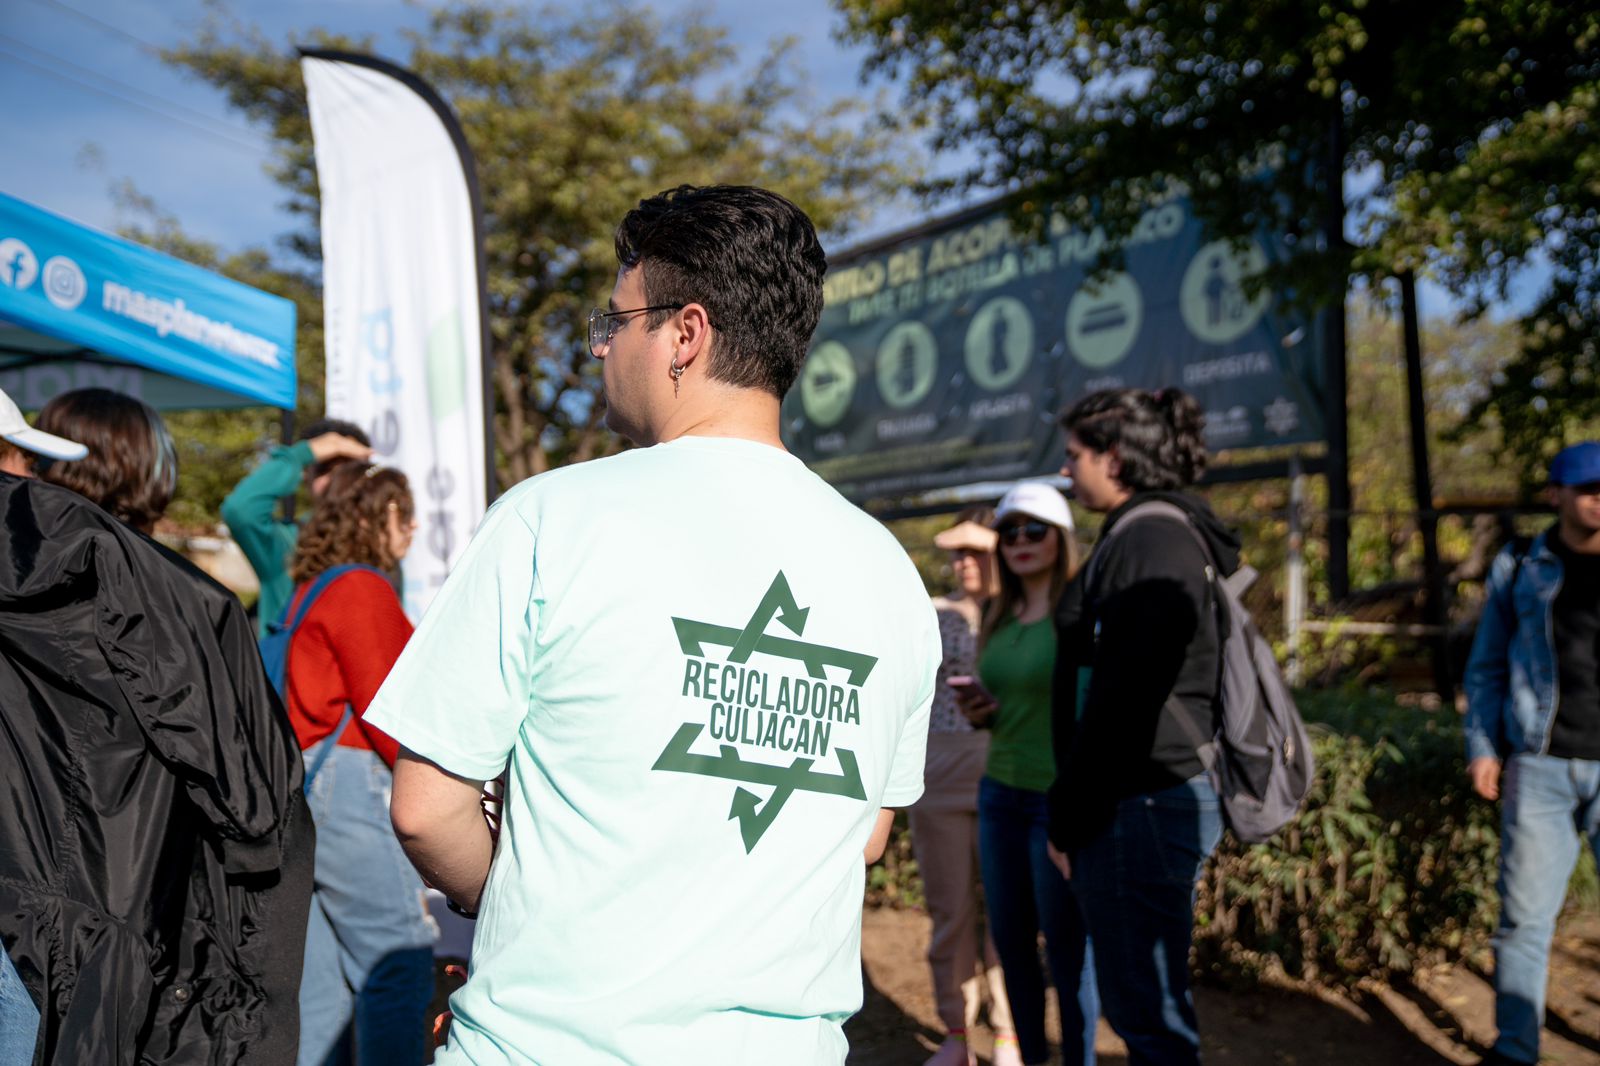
x: 1017, y: 667
x: 708, y: 672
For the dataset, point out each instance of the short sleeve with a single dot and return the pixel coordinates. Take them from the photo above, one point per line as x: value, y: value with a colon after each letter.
x: 460, y: 691
x: 905, y: 774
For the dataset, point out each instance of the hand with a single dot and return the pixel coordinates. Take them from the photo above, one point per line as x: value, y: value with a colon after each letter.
x: 977, y: 704
x: 441, y: 1024
x: 1063, y: 863
x: 338, y: 446
x: 1485, y: 774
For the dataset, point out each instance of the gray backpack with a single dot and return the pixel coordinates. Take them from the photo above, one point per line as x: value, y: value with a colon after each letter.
x: 1260, y: 758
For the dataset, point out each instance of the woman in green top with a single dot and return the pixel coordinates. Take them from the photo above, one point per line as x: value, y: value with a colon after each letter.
x: 1025, y: 892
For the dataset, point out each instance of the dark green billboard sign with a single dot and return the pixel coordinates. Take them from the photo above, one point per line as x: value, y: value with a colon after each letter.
x: 943, y: 357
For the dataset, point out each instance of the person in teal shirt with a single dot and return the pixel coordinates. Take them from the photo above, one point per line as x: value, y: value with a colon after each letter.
x: 1025, y: 892
x: 250, y: 510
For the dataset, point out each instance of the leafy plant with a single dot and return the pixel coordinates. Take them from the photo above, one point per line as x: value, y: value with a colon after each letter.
x: 1391, y: 866
x: 572, y: 120
x: 894, y: 880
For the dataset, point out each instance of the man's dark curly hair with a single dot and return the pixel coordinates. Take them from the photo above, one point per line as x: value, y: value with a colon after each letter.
x: 750, y: 258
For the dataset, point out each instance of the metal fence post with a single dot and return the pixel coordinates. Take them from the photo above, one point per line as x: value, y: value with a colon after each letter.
x: 1294, y: 594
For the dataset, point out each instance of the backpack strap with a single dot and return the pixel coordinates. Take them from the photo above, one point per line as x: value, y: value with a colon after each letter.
x: 330, y: 742
x: 290, y: 625
x: 1150, y: 509
x: 318, y: 585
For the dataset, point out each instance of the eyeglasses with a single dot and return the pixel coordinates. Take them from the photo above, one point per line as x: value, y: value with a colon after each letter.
x: 603, y: 325
x: 1032, y: 532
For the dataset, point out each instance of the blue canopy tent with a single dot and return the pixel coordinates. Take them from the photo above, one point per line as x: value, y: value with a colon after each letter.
x: 81, y: 308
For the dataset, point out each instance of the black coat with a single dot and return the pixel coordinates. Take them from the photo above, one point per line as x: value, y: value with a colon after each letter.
x: 155, y: 848
x: 1148, y: 632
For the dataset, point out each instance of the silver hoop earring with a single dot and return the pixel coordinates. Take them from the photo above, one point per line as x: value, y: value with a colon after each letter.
x: 677, y: 373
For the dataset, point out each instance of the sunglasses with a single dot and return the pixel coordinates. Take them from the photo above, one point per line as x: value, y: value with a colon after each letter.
x: 1032, y: 532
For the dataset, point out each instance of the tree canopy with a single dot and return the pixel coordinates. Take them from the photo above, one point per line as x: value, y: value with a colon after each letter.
x: 572, y: 119
x: 217, y: 447
x: 1461, y: 133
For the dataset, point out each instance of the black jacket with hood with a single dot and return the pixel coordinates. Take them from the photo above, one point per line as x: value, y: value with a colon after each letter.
x: 155, y: 848
x: 1148, y: 633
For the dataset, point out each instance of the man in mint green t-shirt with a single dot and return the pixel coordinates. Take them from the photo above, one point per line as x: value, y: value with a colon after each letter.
x: 708, y: 673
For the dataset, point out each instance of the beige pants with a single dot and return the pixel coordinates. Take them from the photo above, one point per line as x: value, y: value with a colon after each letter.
x: 944, y: 836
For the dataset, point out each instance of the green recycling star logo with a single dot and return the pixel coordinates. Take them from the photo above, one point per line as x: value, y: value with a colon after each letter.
x: 814, y: 701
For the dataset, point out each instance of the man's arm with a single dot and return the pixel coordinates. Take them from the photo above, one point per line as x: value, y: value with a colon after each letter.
x: 1071, y: 644
x: 1487, y: 676
x: 1150, y: 588
x: 249, y: 509
x: 439, y: 820
x: 880, y: 836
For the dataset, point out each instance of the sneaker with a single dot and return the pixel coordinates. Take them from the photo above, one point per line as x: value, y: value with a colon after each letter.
x: 954, y: 1052
x: 1007, y: 1052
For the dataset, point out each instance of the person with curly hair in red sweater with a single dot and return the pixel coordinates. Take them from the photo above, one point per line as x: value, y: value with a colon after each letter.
x: 369, y: 959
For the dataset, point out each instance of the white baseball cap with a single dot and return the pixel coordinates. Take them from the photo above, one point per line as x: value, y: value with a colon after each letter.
x: 1036, y: 500
x: 15, y: 428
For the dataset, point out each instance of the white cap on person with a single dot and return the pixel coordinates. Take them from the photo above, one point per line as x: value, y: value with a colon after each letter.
x: 15, y: 428
x: 1036, y: 500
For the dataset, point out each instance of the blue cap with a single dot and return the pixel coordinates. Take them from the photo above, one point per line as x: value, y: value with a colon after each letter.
x: 1577, y: 464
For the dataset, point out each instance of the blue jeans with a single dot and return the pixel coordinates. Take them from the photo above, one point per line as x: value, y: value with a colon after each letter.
x: 369, y: 955
x: 1136, y: 883
x: 1546, y: 803
x: 19, y: 1018
x: 1025, y: 895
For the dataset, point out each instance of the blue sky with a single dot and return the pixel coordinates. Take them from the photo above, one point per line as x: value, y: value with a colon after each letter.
x: 90, y: 104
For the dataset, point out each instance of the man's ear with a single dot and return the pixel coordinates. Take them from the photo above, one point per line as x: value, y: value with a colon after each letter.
x: 1552, y: 496
x: 694, y: 335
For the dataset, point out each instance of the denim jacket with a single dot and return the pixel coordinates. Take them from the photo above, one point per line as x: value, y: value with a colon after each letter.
x: 1511, y: 680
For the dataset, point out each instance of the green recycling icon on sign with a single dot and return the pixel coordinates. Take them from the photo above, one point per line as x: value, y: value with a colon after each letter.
x: 908, y: 361
x: 827, y: 382
x: 754, y: 817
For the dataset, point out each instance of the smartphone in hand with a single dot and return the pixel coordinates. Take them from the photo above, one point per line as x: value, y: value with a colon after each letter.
x: 973, y: 699
x: 966, y: 684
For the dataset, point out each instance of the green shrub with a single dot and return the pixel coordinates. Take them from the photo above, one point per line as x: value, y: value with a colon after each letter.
x: 894, y: 880
x: 1391, y: 866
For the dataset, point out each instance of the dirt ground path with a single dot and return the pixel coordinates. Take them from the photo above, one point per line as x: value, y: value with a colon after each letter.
x: 1444, y: 1017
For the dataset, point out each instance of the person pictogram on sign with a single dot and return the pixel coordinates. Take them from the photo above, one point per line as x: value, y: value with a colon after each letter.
x: 1224, y: 298
x: 999, y: 327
